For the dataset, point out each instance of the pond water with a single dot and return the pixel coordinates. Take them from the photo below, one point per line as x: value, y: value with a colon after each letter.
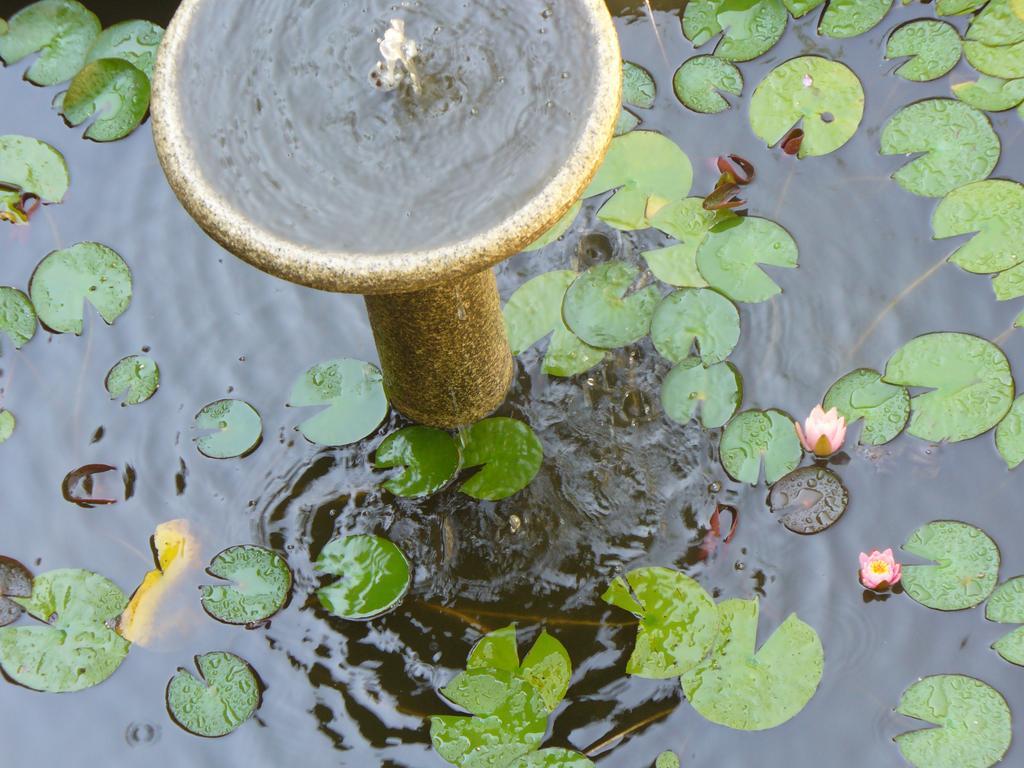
x: 620, y: 486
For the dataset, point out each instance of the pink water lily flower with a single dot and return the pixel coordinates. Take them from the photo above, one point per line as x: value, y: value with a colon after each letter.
x: 879, y: 570
x: 823, y: 433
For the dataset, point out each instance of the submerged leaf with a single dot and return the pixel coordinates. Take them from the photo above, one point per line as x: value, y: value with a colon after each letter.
x: 429, y: 459
x: 373, y: 576
x: 1006, y: 606
x: 599, y: 309
x: 508, y: 452
x: 966, y: 566
x: 678, y: 620
x: 239, y: 429
x: 698, y: 81
x: 260, y: 584
x: 224, y: 696
x: 66, y: 279
x: 993, y: 212
x: 695, y: 317
x: 958, y: 143
x: 974, y: 724
x: 730, y: 256
x: 809, y: 500
x: 353, y: 392
x: 136, y: 377
x: 751, y: 689
x: 133, y: 41
x: 992, y: 94
x: 113, y: 90
x: 754, y: 436
x: 934, y: 48
x: 862, y: 394
x: 17, y: 316
x: 29, y: 167
x: 970, y: 382
x: 824, y: 96
x: 748, y: 28
x: 717, y: 390
x: 1010, y: 435
x: 62, y: 31
x: 15, y: 581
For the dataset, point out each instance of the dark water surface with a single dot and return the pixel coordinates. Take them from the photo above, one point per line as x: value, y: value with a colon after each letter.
x: 621, y: 487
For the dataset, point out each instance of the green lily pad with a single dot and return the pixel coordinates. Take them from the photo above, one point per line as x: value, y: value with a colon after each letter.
x: 849, y: 18
x: 224, y: 696
x: 638, y: 88
x: 934, y: 48
x: 553, y: 758
x: 557, y: 230
x: 66, y: 279
x: 972, y: 389
x: 751, y: 689
x: 667, y: 760
x: 74, y: 648
x: 957, y: 7
x: 62, y: 31
x: 1010, y: 435
x: 113, y: 90
x: 992, y: 94
x: 1004, y: 61
x: 429, y: 459
x: 1009, y: 284
x: 678, y: 620
x: 754, y: 436
x: 958, y: 143
x: 535, y: 311
x: 992, y: 211
x: 717, y: 390
x: 133, y: 41
x: 730, y: 254
x: 997, y: 24
x: 748, y: 27
x: 824, y: 97
x: 239, y: 429
x: 353, y: 392
x: 373, y: 576
x: 974, y: 727
x: 966, y: 569
x: 809, y: 500
x: 136, y: 377
x: 15, y: 581
x: 30, y: 167
x: 507, y: 727
x: 627, y: 122
x: 508, y: 452
x: 601, y: 312
x: 17, y: 316
x: 260, y: 584
x: 695, y: 317
x: 862, y: 394
x: 699, y: 80
x: 1006, y: 606
x: 689, y: 223
x: 641, y: 166
x: 7, y: 425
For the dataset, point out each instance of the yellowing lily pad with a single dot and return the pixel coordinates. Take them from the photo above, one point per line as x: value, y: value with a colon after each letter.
x: 754, y: 436
x: 373, y: 576
x: 824, y: 97
x: 862, y: 394
x: 602, y: 311
x: 115, y: 92
x: 993, y: 212
x: 699, y: 81
x: 508, y: 452
x: 66, y: 279
x: 748, y: 27
x: 260, y: 582
x: 62, y: 31
x: 934, y: 48
x: 17, y: 316
x: 716, y: 390
x: 730, y: 255
x: 225, y: 695
x: 1006, y: 606
x: 1010, y: 435
x: 353, y: 393
x: 966, y: 566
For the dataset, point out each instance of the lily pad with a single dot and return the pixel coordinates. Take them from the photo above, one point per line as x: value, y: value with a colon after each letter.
x: 970, y: 382
x: 974, y: 727
x: 809, y: 500
x: 957, y: 7
x: 638, y: 90
x: 15, y: 581
x: 560, y: 228
x: 429, y: 459
x: 992, y: 94
x: 353, y: 392
x: 966, y: 566
x: 29, y: 167
x: 642, y: 167
x: 508, y: 452
x: 997, y: 24
x: 535, y: 311
x: 260, y: 584
x: 239, y: 429
x: 667, y: 760
x: 113, y: 90
x: 627, y: 122
x: 695, y: 317
x: 133, y: 41
x: 958, y: 143
x: 1009, y: 284
x: 754, y: 436
x: 373, y: 576
x: 137, y: 377
x: 934, y: 48
x: 862, y: 394
x: 751, y: 689
x: 689, y: 223
x: 66, y: 279
x: 1004, y: 61
x: 62, y: 31
x: 17, y: 316
x: 599, y: 309
x: 993, y: 212
x: 678, y: 620
x: 717, y: 390
x: 74, y: 647
x: 553, y: 758
x: 698, y: 81
x: 224, y: 696
x: 748, y: 27
x: 1007, y: 607
x: 730, y: 256
x: 849, y: 18
x: 824, y: 97
x: 7, y: 424
x: 1010, y: 435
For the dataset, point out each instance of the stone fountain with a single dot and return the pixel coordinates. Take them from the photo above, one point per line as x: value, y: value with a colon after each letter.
x: 394, y: 149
